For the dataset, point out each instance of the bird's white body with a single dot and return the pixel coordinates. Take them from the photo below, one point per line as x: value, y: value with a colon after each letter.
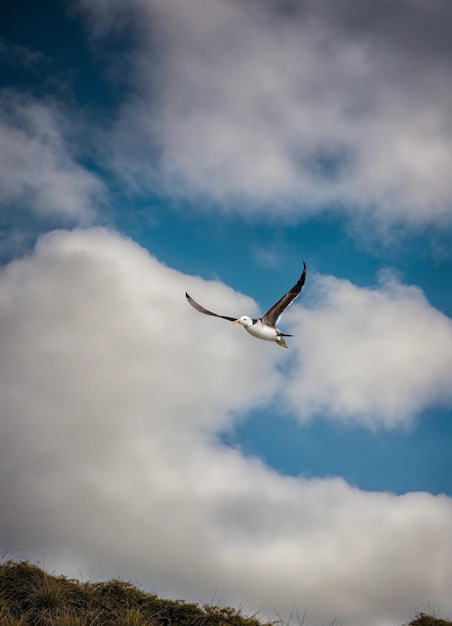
x: 258, y: 329
x: 261, y: 330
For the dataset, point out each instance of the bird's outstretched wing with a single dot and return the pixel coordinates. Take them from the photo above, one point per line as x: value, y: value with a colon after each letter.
x: 201, y: 309
x: 274, y: 313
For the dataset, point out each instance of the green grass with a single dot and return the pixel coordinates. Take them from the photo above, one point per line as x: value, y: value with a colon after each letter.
x: 29, y: 596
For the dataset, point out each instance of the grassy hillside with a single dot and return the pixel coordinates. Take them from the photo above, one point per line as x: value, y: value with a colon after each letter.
x: 30, y: 596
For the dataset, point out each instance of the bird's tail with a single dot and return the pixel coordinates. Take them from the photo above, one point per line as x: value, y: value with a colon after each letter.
x: 285, y: 335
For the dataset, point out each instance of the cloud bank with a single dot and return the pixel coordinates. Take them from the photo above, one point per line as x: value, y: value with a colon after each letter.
x: 300, y: 106
x: 39, y: 166
x: 376, y: 356
x: 113, y: 391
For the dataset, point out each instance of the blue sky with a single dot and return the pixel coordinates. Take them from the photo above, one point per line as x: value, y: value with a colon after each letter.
x: 151, y: 148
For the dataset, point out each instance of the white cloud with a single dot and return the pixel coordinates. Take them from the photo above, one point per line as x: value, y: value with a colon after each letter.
x: 39, y: 171
x: 300, y: 105
x: 378, y: 356
x: 113, y: 390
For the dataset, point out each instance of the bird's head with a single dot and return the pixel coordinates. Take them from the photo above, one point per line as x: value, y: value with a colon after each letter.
x: 244, y: 320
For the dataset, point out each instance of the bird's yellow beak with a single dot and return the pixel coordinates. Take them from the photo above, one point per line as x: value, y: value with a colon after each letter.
x: 235, y: 321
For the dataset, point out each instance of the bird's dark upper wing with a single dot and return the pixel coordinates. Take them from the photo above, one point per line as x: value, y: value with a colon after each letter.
x: 201, y: 309
x: 273, y: 314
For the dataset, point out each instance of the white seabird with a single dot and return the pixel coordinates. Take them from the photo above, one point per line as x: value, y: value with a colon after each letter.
x: 263, y: 327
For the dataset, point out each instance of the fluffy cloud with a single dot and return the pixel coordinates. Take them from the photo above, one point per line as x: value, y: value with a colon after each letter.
x: 112, y: 392
x: 39, y: 171
x: 378, y: 356
x: 304, y: 105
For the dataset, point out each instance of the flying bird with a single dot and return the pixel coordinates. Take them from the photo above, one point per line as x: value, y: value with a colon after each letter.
x: 263, y: 327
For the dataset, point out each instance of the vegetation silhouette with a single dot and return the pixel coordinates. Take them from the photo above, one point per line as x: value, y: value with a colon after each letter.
x: 29, y: 596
